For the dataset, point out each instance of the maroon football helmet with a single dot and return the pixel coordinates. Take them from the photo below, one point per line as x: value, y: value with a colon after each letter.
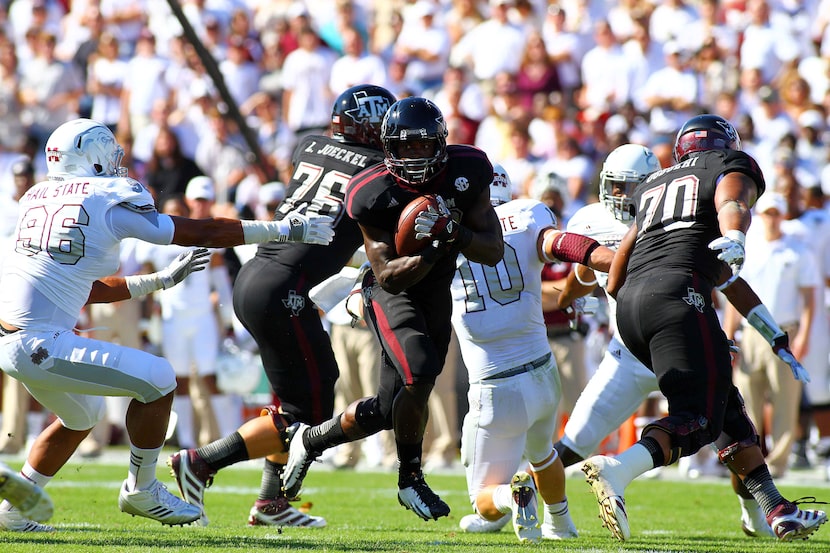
x: 705, y: 132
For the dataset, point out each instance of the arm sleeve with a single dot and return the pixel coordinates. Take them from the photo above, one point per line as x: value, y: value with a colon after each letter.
x: 153, y: 227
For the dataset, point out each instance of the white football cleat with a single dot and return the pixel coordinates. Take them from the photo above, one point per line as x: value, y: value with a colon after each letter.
x: 599, y: 474
x: 157, y: 503
x: 299, y: 459
x: 791, y: 523
x: 525, y: 510
x: 14, y: 521
x: 32, y: 501
x: 476, y: 524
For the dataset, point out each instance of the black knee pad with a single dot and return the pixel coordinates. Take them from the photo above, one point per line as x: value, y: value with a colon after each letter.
x: 688, y: 432
x: 371, y: 418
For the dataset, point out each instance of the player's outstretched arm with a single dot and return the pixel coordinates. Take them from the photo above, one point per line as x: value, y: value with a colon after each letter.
x: 116, y: 288
x: 220, y: 232
x: 555, y: 245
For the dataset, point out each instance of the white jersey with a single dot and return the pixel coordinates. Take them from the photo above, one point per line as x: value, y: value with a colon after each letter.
x: 595, y: 221
x: 497, y: 311
x: 621, y: 382
x: 65, y: 241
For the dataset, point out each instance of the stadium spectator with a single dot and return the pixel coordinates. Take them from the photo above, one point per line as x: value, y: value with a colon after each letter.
x: 565, y: 50
x: 139, y: 95
x: 604, y: 73
x: 669, y: 19
x: 168, y: 170
x: 537, y: 76
x: 493, y: 46
x: 670, y: 94
x: 424, y: 45
x: 356, y: 65
x: 49, y: 90
x: 306, y: 99
x: 105, y: 80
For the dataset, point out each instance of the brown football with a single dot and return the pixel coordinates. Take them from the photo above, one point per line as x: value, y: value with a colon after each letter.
x: 405, y: 241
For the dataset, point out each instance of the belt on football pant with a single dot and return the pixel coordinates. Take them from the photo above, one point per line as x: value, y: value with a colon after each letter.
x: 521, y: 369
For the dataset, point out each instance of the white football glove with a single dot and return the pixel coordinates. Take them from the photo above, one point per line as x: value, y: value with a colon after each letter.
x: 184, y: 264
x: 730, y: 248
x: 781, y: 347
x: 310, y: 228
x: 437, y: 224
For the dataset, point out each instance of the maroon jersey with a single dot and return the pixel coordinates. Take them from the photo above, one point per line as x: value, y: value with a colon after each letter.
x: 376, y: 198
x: 681, y: 197
x: 322, y: 169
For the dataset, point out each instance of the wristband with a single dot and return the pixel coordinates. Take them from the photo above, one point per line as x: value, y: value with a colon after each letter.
x: 256, y: 232
x: 736, y: 236
x: 761, y: 320
x: 141, y: 285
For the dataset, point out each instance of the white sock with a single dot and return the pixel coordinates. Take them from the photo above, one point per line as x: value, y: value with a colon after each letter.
x: 31, y: 474
x: 634, y: 461
x: 559, y: 518
x: 751, y: 509
x: 183, y: 406
x: 503, y: 498
x: 142, y: 467
x: 228, y: 411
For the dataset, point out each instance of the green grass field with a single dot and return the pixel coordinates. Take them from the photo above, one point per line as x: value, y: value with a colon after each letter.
x: 363, y: 515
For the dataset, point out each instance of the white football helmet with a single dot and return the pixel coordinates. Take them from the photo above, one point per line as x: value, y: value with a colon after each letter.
x: 501, y: 188
x: 84, y: 148
x: 624, y: 168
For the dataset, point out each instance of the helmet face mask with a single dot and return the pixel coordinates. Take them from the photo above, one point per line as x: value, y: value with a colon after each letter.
x: 623, y: 170
x: 705, y: 132
x: 358, y: 112
x: 410, y: 125
x: 84, y: 148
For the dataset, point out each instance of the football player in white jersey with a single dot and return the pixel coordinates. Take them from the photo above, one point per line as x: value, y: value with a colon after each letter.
x: 514, y: 382
x: 621, y: 382
x: 69, y: 230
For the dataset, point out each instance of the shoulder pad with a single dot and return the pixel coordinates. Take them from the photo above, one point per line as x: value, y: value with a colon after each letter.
x: 131, y: 194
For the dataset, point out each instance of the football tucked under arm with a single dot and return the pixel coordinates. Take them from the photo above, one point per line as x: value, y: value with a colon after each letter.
x: 406, y: 236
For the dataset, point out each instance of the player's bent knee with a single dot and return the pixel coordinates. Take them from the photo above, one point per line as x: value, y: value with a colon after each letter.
x: 370, y: 418
x: 161, y: 377
x: 87, y: 412
x: 688, y: 433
